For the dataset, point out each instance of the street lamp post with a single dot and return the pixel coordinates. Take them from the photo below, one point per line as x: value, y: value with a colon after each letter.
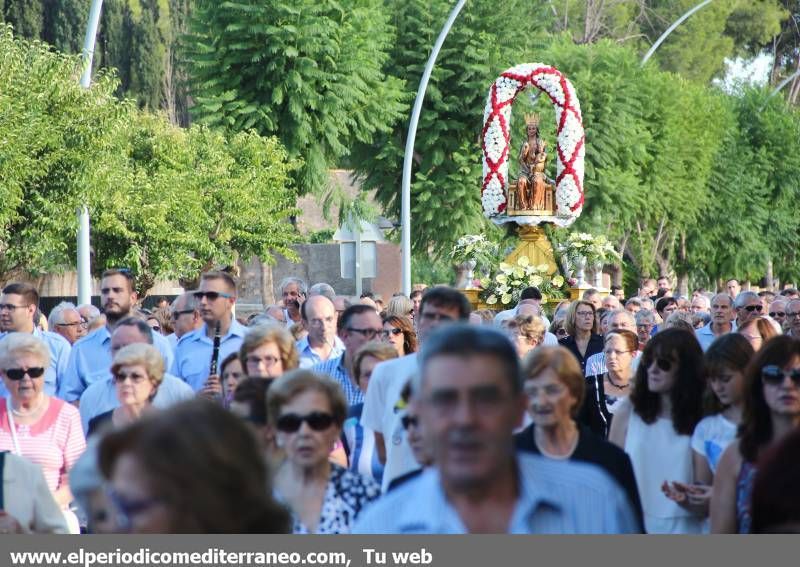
x: 405, y: 196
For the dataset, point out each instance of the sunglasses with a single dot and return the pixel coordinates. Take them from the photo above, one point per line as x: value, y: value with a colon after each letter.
x: 774, y: 376
x: 409, y: 421
x: 316, y: 420
x: 17, y: 374
x: 395, y: 331
x: 774, y: 314
x: 175, y: 315
x: 751, y: 308
x: 664, y: 364
x: 561, y: 332
x: 211, y: 295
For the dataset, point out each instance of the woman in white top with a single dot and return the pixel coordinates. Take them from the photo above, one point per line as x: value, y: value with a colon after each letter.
x: 654, y: 426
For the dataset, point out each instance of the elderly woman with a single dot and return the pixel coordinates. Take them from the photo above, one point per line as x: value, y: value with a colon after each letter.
x: 45, y: 430
x: 138, y: 371
x: 655, y: 425
x: 759, y: 330
x: 582, y: 339
x: 193, y: 469
x: 605, y: 391
x: 399, y: 332
x: 526, y: 332
x: 554, y: 385
x: 771, y: 411
x: 308, y: 410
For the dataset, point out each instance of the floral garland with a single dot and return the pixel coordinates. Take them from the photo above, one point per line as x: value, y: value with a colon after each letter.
x: 506, y: 285
x: 496, y: 142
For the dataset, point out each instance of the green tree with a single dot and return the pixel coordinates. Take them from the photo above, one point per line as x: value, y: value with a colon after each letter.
x: 27, y: 16
x: 308, y: 71
x: 65, y: 24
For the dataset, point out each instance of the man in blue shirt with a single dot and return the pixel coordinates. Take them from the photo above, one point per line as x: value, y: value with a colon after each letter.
x: 101, y: 396
x: 90, y: 358
x: 18, y: 304
x: 469, y: 400
x: 215, y: 297
x: 359, y: 325
x: 321, y: 344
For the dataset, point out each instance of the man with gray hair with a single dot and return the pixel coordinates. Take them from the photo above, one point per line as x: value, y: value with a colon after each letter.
x: 185, y: 315
x: 93, y: 316
x: 721, y: 320
x: 617, y: 320
x: 700, y: 304
x: 470, y: 400
x: 645, y: 321
x: 293, y: 293
x: 323, y: 289
x: 65, y: 320
x: 748, y: 306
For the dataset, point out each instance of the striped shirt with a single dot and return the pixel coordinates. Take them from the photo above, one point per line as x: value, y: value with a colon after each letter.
x: 555, y: 497
x: 335, y: 368
x: 54, y: 442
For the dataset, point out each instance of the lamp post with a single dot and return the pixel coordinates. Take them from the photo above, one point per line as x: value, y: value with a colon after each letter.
x: 405, y: 196
x: 84, y: 262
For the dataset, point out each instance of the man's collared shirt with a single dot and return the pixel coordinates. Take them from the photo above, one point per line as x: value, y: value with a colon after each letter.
x: 555, y: 497
x: 193, y: 355
x: 59, y: 357
x: 596, y: 364
x: 101, y: 396
x: 705, y: 336
x: 309, y: 358
x: 90, y: 361
x: 335, y: 368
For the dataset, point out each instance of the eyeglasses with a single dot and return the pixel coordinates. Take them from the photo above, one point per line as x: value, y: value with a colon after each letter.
x: 409, y: 421
x: 211, y: 295
x: 792, y: 315
x: 615, y: 352
x: 751, y: 308
x: 316, y: 420
x: 11, y: 307
x: 17, y: 374
x: 664, y: 364
x: 135, y: 378
x: 267, y: 360
x: 774, y: 314
x: 561, y: 332
x: 774, y: 376
x: 175, y: 315
x: 75, y: 324
x: 584, y: 313
x: 368, y: 334
x: 385, y: 334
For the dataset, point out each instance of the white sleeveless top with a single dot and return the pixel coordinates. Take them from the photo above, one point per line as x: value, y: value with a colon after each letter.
x: 658, y: 453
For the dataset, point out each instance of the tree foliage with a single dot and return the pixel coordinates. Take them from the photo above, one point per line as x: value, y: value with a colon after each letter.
x: 164, y: 201
x: 307, y: 71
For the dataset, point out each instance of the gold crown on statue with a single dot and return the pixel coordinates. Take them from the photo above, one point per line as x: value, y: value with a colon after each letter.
x: 532, y: 119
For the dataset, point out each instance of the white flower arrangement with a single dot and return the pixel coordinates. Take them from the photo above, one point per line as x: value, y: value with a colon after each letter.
x: 505, y: 285
x: 596, y: 249
x: 474, y: 248
x: 496, y: 142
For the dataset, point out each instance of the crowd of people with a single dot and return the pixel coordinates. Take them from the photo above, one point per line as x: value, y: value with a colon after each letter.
x: 329, y: 414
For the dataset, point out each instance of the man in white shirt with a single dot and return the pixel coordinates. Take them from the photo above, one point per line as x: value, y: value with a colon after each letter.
x: 383, y: 406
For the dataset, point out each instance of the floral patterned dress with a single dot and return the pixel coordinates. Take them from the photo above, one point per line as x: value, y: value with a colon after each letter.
x: 345, y: 497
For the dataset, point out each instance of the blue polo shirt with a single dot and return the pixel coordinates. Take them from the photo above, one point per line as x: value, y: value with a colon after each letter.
x: 59, y: 356
x: 193, y: 355
x: 309, y: 358
x: 90, y: 361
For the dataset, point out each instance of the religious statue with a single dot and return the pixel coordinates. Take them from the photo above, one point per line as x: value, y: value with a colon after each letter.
x: 532, y: 189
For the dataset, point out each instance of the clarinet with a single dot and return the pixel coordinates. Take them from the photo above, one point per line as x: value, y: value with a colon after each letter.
x: 215, y: 358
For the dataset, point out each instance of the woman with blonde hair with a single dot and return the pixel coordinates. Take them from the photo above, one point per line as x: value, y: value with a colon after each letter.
x: 582, y: 339
x: 527, y: 332
x: 268, y: 351
x: 759, y: 330
x: 137, y: 371
x: 399, y: 306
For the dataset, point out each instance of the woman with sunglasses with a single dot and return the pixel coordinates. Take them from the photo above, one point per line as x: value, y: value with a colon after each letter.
x: 137, y: 371
x: 43, y: 429
x: 399, y: 332
x: 771, y: 410
x: 308, y: 411
x: 654, y: 426
x: 582, y: 339
x: 557, y: 327
x: 605, y: 392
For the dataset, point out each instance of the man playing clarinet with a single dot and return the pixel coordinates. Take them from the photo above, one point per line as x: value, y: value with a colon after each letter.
x: 215, y: 297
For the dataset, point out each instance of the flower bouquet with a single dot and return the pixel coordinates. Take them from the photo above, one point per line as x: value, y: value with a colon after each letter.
x: 504, y: 286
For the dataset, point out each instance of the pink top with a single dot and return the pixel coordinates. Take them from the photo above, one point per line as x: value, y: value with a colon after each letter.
x: 54, y: 442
